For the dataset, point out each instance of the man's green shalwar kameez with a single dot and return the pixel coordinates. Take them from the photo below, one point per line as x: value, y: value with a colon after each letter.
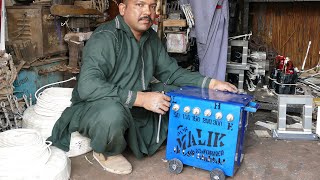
x: 116, y: 66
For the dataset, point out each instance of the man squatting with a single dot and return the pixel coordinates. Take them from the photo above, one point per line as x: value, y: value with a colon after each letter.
x: 114, y: 102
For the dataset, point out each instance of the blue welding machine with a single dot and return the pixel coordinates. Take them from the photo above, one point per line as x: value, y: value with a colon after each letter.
x: 207, y: 129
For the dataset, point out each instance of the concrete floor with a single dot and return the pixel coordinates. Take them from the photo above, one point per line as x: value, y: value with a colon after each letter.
x: 265, y: 159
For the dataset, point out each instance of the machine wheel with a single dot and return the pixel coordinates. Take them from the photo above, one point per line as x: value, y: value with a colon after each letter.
x: 175, y: 166
x: 217, y: 174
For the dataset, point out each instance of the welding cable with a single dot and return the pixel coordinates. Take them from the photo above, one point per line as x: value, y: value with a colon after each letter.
x: 251, y: 87
x: 251, y: 75
x: 22, y: 151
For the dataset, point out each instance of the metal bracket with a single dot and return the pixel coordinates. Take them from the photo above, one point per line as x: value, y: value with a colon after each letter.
x: 295, y: 134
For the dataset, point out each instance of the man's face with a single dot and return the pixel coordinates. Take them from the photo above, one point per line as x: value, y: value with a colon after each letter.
x: 138, y: 14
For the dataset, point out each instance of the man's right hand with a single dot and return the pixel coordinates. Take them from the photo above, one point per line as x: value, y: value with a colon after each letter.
x: 153, y: 101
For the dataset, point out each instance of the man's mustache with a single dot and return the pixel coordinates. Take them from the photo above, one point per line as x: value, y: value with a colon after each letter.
x: 145, y: 18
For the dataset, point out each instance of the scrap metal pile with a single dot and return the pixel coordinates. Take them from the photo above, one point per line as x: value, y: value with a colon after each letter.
x: 10, y: 109
x: 267, y: 74
x: 287, y: 79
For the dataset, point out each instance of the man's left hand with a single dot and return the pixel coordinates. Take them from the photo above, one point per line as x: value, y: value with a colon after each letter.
x: 222, y: 86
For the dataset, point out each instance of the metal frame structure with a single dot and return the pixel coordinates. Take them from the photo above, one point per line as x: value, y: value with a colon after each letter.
x: 297, y: 134
x: 238, y: 68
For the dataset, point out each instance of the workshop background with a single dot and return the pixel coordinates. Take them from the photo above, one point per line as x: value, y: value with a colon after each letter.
x: 272, y: 53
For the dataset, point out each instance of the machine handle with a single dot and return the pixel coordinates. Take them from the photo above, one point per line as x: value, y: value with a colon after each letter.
x: 252, y: 107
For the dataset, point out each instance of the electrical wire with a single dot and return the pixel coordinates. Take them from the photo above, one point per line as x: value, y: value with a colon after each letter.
x: 59, y: 82
x: 50, y: 104
x: 43, y: 124
x: 53, y: 101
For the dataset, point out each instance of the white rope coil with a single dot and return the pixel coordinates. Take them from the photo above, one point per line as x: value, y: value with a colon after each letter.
x: 51, y: 84
x: 50, y: 104
x: 53, y: 101
x: 44, y: 124
x: 22, y: 150
x: 58, y: 167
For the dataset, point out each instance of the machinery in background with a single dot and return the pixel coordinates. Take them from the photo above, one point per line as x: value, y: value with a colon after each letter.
x: 176, y: 28
x: 46, y: 42
x: 284, y: 77
x: 245, y: 68
x: 35, y: 39
x: 77, y: 19
x: 238, y: 66
x: 282, y: 93
x: 175, y: 24
x: 33, y: 33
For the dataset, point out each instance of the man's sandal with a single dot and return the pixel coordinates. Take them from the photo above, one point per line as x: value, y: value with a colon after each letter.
x: 115, y: 164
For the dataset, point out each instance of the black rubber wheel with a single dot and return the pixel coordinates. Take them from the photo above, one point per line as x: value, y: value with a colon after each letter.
x: 217, y: 174
x: 175, y: 166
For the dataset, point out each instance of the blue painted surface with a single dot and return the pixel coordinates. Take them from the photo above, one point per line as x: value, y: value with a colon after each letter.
x: 29, y: 81
x: 205, y: 93
x: 206, y: 142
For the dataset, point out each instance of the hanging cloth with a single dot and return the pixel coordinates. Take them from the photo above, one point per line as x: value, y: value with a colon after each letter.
x: 211, y: 32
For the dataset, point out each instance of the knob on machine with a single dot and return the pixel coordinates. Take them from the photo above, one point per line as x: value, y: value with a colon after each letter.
x: 196, y: 111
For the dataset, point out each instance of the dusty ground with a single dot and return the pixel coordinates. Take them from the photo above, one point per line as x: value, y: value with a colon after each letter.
x: 265, y: 159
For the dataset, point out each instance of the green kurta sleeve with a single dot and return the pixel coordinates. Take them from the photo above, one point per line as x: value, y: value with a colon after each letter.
x: 167, y: 70
x: 99, y: 58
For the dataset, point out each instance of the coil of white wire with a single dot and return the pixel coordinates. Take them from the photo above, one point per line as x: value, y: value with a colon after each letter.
x: 55, y: 167
x: 22, y: 150
x: 44, y: 124
x: 50, y: 104
x: 53, y: 101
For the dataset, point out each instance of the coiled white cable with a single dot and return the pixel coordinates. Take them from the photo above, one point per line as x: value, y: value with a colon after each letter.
x: 59, y: 82
x: 43, y: 124
x: 53, y: 101
x: 47, y: 110
x: 57, y: 166
x: 22, y: 150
